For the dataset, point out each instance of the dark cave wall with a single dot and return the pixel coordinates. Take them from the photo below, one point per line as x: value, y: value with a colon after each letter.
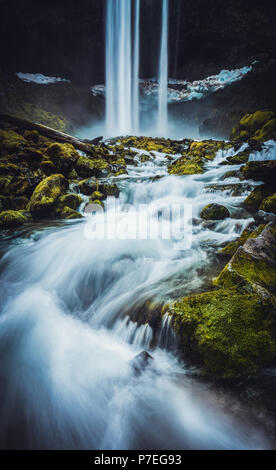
x: 66, y: 38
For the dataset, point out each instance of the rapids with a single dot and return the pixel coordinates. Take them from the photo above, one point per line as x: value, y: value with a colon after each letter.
x: 69, y: 327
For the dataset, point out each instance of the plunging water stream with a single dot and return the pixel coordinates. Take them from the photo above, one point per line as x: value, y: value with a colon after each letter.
x: 67, y: 341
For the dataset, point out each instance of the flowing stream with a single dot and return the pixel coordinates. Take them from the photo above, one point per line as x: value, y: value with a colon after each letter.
x: 70, y: 328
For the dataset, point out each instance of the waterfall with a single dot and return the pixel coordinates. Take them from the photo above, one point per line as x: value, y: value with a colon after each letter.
x: 136, y: 63
x: 163, y: 73
x: 122, y: 68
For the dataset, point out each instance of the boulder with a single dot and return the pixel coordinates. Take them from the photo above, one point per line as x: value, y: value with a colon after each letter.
x: 11, y: 219
x: 46, y: 195
x: 214, y: 212
x: 260, y: 171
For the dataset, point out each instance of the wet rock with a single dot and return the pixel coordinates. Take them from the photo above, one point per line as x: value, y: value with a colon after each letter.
x: 269, y: 204
x: 259, y: 127
x: 255, y: 198
x: 260, y: 171
x: 11, y: 219
x: 46, y: 194
x: 141, y: 362
x: 263, y: 217
x: 214, y: 212
x: 88, y: 186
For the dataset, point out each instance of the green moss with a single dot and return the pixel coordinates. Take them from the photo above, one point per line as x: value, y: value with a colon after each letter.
x: 230, y: 334
x: 96, y: 201
x: 71, y: 200
x: 232, y: 247
x: 269, y: 204
x: 109, y: 190
x: 33, y: 136
x: 98, y: 195
x: 256, y: 270
x: 194, y: 159
x: 10, y: 219
x: 260, y: 126
x: 64, y: 156
x: 260, y: 171
x: 214, y: 212
x: 11, y: 141
x: 267, y: 132
x: 68, y: 213
x: 88, y: 186
x: 152, y: 145
x: 239, y: 158
x: 46, y: 194
x: 35, y: 113
x: 253, y: 201
x: 256, y: 120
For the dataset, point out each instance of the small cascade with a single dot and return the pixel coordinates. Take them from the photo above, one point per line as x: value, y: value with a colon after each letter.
x: 163, y: 73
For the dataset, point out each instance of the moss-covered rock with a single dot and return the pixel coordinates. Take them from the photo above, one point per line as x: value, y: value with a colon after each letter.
x: 230, y: 334
x: 11, y: 141
x: 152, y: 145
x: 10, y: 219
x: 64, y: 156
x: 46, y: 194
x: 214, y: 212
x: 250, y: 232
x: 269, y: 204
x: 109, y: 190
x: 259, y: 126
x: 193, y: 159
x: 260, y: 171
x: 255, y: 261
x: 239, y: 158
x: 70, y: 214
x: 88, y: 186
x: 71, y: 200
x: 255, y: 198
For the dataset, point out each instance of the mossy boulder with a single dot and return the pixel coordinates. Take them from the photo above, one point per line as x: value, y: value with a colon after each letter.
x: 151, y: 145
x: 109, y: 190
x: 255, y: 198
x: 259, y: 126
x: 239, y: 158
x: 86, y: 167
x: 46, y: 194
x: 194, y: 158
x: 230, y: 334
x: 70, y: 214
x: 64, y: 156
x: 250, y: 232
x: 11, y: 141
x: 255, y: 261
x: 71, y: 200
x: 11, y: 219
x: 269, y: 204
x: 214, y: 212
x: 260, y: 171
x: 88, y: 186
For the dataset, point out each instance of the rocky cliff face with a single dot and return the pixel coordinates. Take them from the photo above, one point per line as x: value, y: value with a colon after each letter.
x: 66, y: 38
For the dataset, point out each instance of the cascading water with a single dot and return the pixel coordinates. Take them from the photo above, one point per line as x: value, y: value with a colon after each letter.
x: 68, y: 331
x: 122, y: 68
x: 136, y: 64
x: 163, y: 73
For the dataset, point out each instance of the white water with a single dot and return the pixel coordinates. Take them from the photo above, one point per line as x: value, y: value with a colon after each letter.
x: 163, y: 73
x: 122, y: 68
x: 66, y: 342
